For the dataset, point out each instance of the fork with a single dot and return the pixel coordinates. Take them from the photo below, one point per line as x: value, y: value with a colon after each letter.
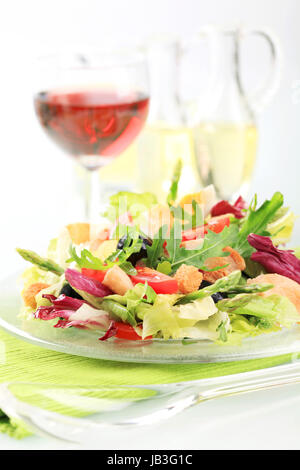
x: 81, y: 413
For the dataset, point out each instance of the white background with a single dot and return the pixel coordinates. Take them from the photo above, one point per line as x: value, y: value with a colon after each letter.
x: 36, y: 179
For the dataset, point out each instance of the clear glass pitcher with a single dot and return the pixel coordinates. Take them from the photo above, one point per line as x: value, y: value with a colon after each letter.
x: 223, y: 114
x: 209, y: 124
x: 166, y: 136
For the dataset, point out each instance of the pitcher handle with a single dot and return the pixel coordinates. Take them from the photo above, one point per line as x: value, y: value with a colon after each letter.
x: 263, y: 95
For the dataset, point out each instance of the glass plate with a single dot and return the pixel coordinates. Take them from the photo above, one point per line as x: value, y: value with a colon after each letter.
x: 86, y: 343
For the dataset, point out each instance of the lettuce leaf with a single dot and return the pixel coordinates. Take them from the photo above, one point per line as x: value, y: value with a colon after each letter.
x: 162, y: 318
x: 125, y: 201
x: 207, y: 329
x: 58, y: 248
x: 197, y: 311
x: 54, y: 289
x: 272, y: 310
x: 251, y: 326
x: 34, y: 274
x: 126, y: 306
x: 297, y: 252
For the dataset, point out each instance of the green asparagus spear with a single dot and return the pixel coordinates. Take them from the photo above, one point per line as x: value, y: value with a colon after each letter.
x: 174, y: 184
x: 248, y: 289
x: 221, y: 285
x: 43, y: 263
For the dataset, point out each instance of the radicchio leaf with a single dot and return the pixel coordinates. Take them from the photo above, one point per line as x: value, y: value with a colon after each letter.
x: 112, y: 331
x: 223, y: 207
x: 277, y: 261
x: 86, y: 284
x: 66, y: 308
x: 63, y: 301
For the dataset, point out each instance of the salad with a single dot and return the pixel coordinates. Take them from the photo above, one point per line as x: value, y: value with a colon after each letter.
x: 193, y: 268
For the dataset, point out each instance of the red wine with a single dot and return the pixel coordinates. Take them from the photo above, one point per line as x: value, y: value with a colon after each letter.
x: 91, y: 121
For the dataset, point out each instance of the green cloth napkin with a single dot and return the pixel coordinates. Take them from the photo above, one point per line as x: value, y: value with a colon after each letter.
x: 23, y: 362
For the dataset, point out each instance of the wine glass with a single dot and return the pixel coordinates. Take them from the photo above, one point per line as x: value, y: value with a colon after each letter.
x: 93, y: 104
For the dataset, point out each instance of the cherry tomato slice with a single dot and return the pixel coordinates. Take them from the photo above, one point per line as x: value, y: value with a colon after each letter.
x: 94, y: 273
x: 125, y: 331
x: 160, y: 283
x: 215, y: 224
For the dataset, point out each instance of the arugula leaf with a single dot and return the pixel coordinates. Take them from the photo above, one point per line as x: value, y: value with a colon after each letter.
x: 155, y: 251
x: 213, y: 245
x: 131, y: 245
x: 86, y: 259
x: 174, y: 183
x: 256, y: 222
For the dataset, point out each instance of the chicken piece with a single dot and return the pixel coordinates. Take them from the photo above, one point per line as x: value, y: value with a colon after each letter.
x: 31, y: 291
x: 79, y: 232
x: 282, y: 286
x: 101, y: 236
x: 234, y: 261
x: 188, y: 278
x: 117, y: 280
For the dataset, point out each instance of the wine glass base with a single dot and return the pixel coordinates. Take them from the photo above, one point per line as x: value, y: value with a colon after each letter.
x: 93, y: 162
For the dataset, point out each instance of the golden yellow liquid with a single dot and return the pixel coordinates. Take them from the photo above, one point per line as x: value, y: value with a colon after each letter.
x: 225, y: 155
x: 159, y: 148
x: 123, y: 169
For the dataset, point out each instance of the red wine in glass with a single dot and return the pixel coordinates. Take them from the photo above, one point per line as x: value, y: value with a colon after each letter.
x: 91, y: 122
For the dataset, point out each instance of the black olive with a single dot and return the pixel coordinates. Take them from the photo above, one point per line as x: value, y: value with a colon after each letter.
x: 70, y: 292
x: 135, y: 257
x: 217, y: 297
x: 204, y: 284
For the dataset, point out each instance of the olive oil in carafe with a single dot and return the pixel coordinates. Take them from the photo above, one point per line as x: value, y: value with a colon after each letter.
x: 159, y: 148
x: 225, y: 155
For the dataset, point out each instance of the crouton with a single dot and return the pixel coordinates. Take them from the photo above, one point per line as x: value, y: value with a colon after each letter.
x: 188, y: 278
x: 234, y: 261
x: 79, y: 232
x: 31, y: 291
x: 117, y: 280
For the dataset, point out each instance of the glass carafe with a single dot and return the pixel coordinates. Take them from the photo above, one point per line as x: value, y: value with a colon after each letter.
x: 223, y: 116
x: 166, y: 136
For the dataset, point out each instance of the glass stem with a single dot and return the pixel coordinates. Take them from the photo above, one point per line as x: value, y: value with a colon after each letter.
x: 93, y: 196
